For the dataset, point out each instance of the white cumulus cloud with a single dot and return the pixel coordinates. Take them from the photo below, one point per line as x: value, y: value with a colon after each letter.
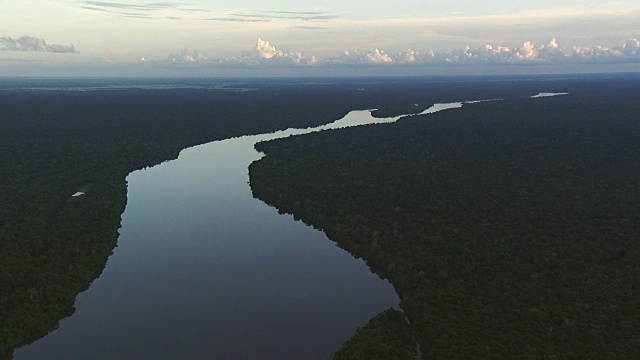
x: 34, y: 44
x: 631, y: 48
x: 375, y: 56
x: 264, y: 53
x: 186, y: 56
x: 265, y: 50
x: 527, y: 53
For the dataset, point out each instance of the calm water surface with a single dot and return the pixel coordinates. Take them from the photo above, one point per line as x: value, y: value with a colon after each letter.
x: 205, y: 271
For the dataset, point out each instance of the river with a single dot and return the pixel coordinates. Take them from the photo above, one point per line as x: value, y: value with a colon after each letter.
x: 205, y: 271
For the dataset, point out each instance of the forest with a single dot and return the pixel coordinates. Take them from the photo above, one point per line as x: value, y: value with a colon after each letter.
x: 57, y: 142
x: 508, y: 228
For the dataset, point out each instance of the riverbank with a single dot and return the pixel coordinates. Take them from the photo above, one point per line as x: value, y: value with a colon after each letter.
x: 56, y: 142
x: 508, y: 228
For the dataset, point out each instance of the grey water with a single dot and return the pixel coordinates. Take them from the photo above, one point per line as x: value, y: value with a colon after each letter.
x: 203, y: 270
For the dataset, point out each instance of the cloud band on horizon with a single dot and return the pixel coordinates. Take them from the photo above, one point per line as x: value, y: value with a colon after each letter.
x: 34, y: 44
x: 264, y: 53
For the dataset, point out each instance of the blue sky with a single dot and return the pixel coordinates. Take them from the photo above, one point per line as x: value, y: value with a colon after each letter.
x: 197, y: 37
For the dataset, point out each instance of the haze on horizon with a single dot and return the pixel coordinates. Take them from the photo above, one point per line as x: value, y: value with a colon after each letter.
x: 290, y: 38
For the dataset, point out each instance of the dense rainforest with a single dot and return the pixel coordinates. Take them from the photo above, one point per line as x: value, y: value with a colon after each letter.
x: 56, y: 143
x: 87, y: 135
x: 510, y: 229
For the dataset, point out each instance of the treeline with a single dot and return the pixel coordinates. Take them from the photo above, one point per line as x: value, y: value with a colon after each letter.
x: 509, y: 229
x: 55, y: 143
x: 387, y: 336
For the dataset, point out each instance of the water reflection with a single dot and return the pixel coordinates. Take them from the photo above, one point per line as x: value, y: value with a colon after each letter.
x: 203, y: 270
x: 547, y: 94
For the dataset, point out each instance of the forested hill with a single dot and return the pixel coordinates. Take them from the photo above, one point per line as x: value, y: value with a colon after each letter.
x: 510, y: 229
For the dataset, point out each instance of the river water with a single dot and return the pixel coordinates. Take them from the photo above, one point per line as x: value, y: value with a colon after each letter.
x: 205, y: 271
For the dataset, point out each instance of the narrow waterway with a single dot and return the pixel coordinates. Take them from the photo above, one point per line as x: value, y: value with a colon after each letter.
x: 205, y: 271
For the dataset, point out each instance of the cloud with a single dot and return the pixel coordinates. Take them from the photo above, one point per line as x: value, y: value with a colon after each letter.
x: 629, y: 51
x: 33, y: 44
x: 264, y: 53
x: 530, y: 52
x: 527, y: 53
x: 375, y: 56
x: 297, y: 12
x: 92, y: 8
x: 144, y: 7
x: 185, y: 56
x: 238, y: 20
x: 301, y: 27
x: 137, y: 16
x: 268, y: 16
x: 631, y: 48
x: 143, y: 11
x: 155, y: 10
x: 265, y: 50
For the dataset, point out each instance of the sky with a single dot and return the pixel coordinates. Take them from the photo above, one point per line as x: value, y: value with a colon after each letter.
x: 289, y: 38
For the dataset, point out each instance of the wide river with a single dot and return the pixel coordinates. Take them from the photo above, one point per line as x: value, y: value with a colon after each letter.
x: 205, y: 271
